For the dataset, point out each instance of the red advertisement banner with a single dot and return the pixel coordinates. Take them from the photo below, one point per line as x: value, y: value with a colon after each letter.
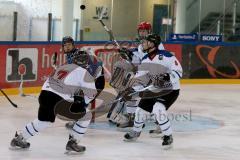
x: 38, y: 61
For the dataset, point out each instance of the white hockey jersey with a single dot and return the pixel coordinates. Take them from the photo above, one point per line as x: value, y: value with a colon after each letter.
x: 68, y: 79
x: 138, y: 53
x: 163, y: 62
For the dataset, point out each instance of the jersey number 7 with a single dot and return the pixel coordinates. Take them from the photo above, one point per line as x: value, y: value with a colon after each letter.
x: 61, y: 74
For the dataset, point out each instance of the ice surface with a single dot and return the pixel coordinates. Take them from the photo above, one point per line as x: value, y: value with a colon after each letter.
x: 213, y: 133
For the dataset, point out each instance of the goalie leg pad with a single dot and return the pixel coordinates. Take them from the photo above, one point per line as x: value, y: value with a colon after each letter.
x: 117, y: 112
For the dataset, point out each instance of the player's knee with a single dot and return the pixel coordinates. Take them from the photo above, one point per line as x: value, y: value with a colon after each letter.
x: 87, y: 117
x: 140, y: 114
x: 158, y: 108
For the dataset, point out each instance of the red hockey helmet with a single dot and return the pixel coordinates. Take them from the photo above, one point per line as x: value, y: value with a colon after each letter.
x: 144, y: 26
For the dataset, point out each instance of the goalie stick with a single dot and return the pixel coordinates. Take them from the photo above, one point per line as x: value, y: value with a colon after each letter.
x: 64, y: 106
x: 100, y: 108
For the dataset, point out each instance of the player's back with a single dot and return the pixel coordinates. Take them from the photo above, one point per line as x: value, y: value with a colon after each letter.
x: 69, y: 78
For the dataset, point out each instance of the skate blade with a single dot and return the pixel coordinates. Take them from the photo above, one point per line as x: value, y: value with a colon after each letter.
x: 168, y: 147
x: 67, y: 152
x: 17, y: 148
x: 130, y: 140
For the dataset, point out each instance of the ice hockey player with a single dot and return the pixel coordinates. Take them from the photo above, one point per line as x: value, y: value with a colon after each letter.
x: 69, y: 48
x: 122, y: 113
x: 69, y: 84
x: 161, y: 69
x: 144, y: 29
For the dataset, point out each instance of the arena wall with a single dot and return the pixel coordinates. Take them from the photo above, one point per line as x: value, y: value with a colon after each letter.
x: 212, y: 63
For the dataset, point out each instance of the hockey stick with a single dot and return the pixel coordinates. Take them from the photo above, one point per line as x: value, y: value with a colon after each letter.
x: 64, y: 106
x: 106, y: 28
x: 113, y: 106
x: 120, y: 97
x: 141, y: 90
x: 13, y: 104
x: 55, y: 60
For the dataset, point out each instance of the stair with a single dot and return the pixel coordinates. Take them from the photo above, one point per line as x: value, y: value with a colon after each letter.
x: 209, y: 24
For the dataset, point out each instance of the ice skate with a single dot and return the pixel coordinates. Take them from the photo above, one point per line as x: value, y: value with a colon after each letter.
x: 18, y: 142
x: 167, y: 142
x: 128, y: 123
x: 131, y: 136
x: 73, y: 147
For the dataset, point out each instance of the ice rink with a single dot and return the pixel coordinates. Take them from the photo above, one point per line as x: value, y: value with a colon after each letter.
x: 208, y: 128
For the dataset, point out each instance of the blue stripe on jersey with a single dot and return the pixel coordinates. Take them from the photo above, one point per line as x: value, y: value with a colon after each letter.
x: 177, y: 74
x: 165, y: 53
x: 133, y: 49
x: 145, y: 57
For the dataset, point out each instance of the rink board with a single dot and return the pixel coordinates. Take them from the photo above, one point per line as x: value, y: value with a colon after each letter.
x: 203, y: 63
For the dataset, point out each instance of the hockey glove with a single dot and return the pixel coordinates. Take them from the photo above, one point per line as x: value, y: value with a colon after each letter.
x: 79, y: 105
x: 162, y: 80
x: 126, y: 94
x: 126, y: 54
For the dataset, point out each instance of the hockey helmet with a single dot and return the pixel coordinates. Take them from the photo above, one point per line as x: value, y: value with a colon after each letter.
x: 67, y: 39
x: 154, y: 38
x: 144, y: 26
